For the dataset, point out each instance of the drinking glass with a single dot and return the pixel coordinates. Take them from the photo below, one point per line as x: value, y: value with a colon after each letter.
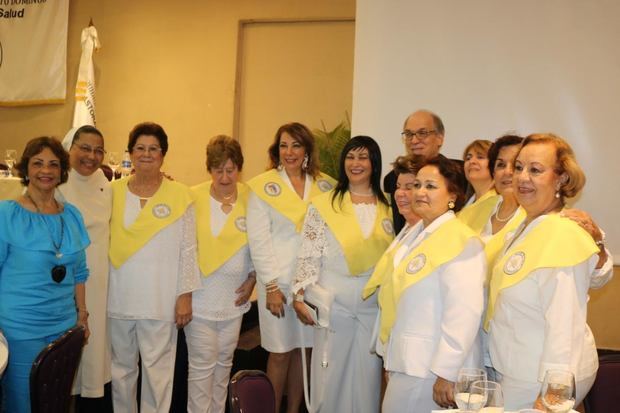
x: 558, y: 391
x: 10, y: 159
x: 114, y: 161
x: 486, y: 396
x: 464, y: 380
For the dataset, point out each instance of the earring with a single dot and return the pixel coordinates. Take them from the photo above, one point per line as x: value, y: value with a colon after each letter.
x: 280, y: 166
x: 450, y: 204
x: 304, y: 164
x: 557, y: 194
x: 26, y: 178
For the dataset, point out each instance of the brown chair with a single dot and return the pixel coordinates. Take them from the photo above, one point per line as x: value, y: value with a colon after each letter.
x: 53, y: 371
x: 604, y: 396
x: 250, y: 391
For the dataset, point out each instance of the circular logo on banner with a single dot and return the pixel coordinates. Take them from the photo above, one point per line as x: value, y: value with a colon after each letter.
x: 416, y: 264
x: 387, y: 225
x: 240, y: 224
x: 514, y: 263
x: 324, y: 185
x: 272, y: 189
x: 161, y: 210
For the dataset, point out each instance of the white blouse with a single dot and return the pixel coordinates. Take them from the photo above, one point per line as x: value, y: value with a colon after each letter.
x: 146, y: 286
x: 216, y: 300
x: 318, y: 241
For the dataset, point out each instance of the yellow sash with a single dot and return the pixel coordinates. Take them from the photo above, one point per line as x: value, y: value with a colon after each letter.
x: 361, y: 254
x: 494, y: 245
x: 213, y: 251
x: 478, y: 214
x: 162, y: 209
x: 443, y: 245
x: 271, y: 188
x: 555, y: 242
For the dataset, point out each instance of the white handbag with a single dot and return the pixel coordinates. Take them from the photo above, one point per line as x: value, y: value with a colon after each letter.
x: 318, y: 301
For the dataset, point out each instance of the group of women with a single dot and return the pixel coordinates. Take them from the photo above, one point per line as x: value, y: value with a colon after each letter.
x: 500, y: 282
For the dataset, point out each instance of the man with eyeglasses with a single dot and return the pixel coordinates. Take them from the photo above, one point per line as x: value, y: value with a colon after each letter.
x: 89, y: 190
x: 422, y: 135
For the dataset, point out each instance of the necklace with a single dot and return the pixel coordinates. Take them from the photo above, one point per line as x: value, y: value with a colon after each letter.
x: 58, y: 272
x: 360, y: 194
x: 226, y: 201
x: 62, y: 226
x: 503, y: 219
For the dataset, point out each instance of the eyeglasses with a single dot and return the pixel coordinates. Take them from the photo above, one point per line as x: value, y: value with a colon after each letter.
x: 151, y: 149
x: 422, y: 134
x: 87, y: 149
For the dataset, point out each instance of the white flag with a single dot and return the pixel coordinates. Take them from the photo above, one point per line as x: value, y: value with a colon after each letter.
x: 84, y: 112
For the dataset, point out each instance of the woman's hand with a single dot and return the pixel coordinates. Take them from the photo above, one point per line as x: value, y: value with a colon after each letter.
x: 275, y: 302
x: 302, y: 313
x: 443, y: 392
x: 183, y: 310
x: 82, y: 321
x: 245, y: 290
x: 586, y: 222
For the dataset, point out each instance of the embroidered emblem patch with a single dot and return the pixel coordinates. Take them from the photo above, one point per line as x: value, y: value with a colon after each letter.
x: 240, y: 224
x: 324, y: 185
x: 416, y: 264
x: 161, y: 210
x: 272, y: 189
x: 387, y: 226
x: 514, y: 263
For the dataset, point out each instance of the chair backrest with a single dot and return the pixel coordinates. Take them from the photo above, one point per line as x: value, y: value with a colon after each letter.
x: 604, y: 396
x: 250, y: 391
x: 53, y: 371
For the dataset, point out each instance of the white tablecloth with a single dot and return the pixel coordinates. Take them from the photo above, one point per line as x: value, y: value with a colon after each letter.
x: 4, y: 353
x: 10, y: 188
x: 458, y: 411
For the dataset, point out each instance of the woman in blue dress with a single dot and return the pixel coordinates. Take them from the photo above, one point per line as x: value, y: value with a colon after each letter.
x: 42, y: 266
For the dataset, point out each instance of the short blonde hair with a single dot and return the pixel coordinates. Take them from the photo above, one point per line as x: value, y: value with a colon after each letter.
x: 481, y: 145
x: 221, y: 148
x: 566, y: 163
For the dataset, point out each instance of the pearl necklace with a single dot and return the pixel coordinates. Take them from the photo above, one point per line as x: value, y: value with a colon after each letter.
x: 504, y: 219
x: 359, y: 194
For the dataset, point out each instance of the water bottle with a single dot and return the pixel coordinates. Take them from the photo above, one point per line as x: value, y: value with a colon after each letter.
x: 126, y: 164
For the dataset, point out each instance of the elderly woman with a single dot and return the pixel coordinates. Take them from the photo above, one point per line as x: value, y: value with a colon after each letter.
x: 539, y: 285
x: 431, y: 296
x: 88, y: 189
x: 405, y: 168
x: 276, y: 209
x: 42, y: 266
x: 153, y: 273
x: 227, y: 277
x: 345, y: 233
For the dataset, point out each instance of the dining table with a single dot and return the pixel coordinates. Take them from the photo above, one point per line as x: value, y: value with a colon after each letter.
x: 10, y: 188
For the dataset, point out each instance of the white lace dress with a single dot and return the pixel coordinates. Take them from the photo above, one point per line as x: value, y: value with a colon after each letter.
x: 352, y: 380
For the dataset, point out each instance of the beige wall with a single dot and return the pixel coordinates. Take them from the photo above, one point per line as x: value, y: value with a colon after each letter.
x: 169, y: 62
x: 604, y: 313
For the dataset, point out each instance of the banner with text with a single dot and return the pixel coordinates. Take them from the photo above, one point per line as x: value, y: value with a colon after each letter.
x: 84, y: 112
x: 33, y: 51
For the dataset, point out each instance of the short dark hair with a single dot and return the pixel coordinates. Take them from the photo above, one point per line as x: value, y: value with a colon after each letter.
x: 409, y: 164
x: 149, y: 129
x: 34, y: 147
x: 374, y: 154
x: 501, y: 142
x: 453, y: 173
x: 301, y: 134
x: 85, y: 129
x: 221, y: 148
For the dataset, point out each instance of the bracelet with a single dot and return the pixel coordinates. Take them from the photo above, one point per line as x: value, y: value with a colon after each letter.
x: 83, y: 310
x: 298, y: 297
x: 600, y: 244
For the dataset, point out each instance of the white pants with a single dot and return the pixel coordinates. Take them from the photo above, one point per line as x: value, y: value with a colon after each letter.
x: 155, y: 342
x: 519, y: 394
x: 211, y: 347
x: 408, y: 394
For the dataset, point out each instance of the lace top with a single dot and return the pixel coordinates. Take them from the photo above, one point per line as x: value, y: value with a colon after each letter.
x: 318, y: 242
